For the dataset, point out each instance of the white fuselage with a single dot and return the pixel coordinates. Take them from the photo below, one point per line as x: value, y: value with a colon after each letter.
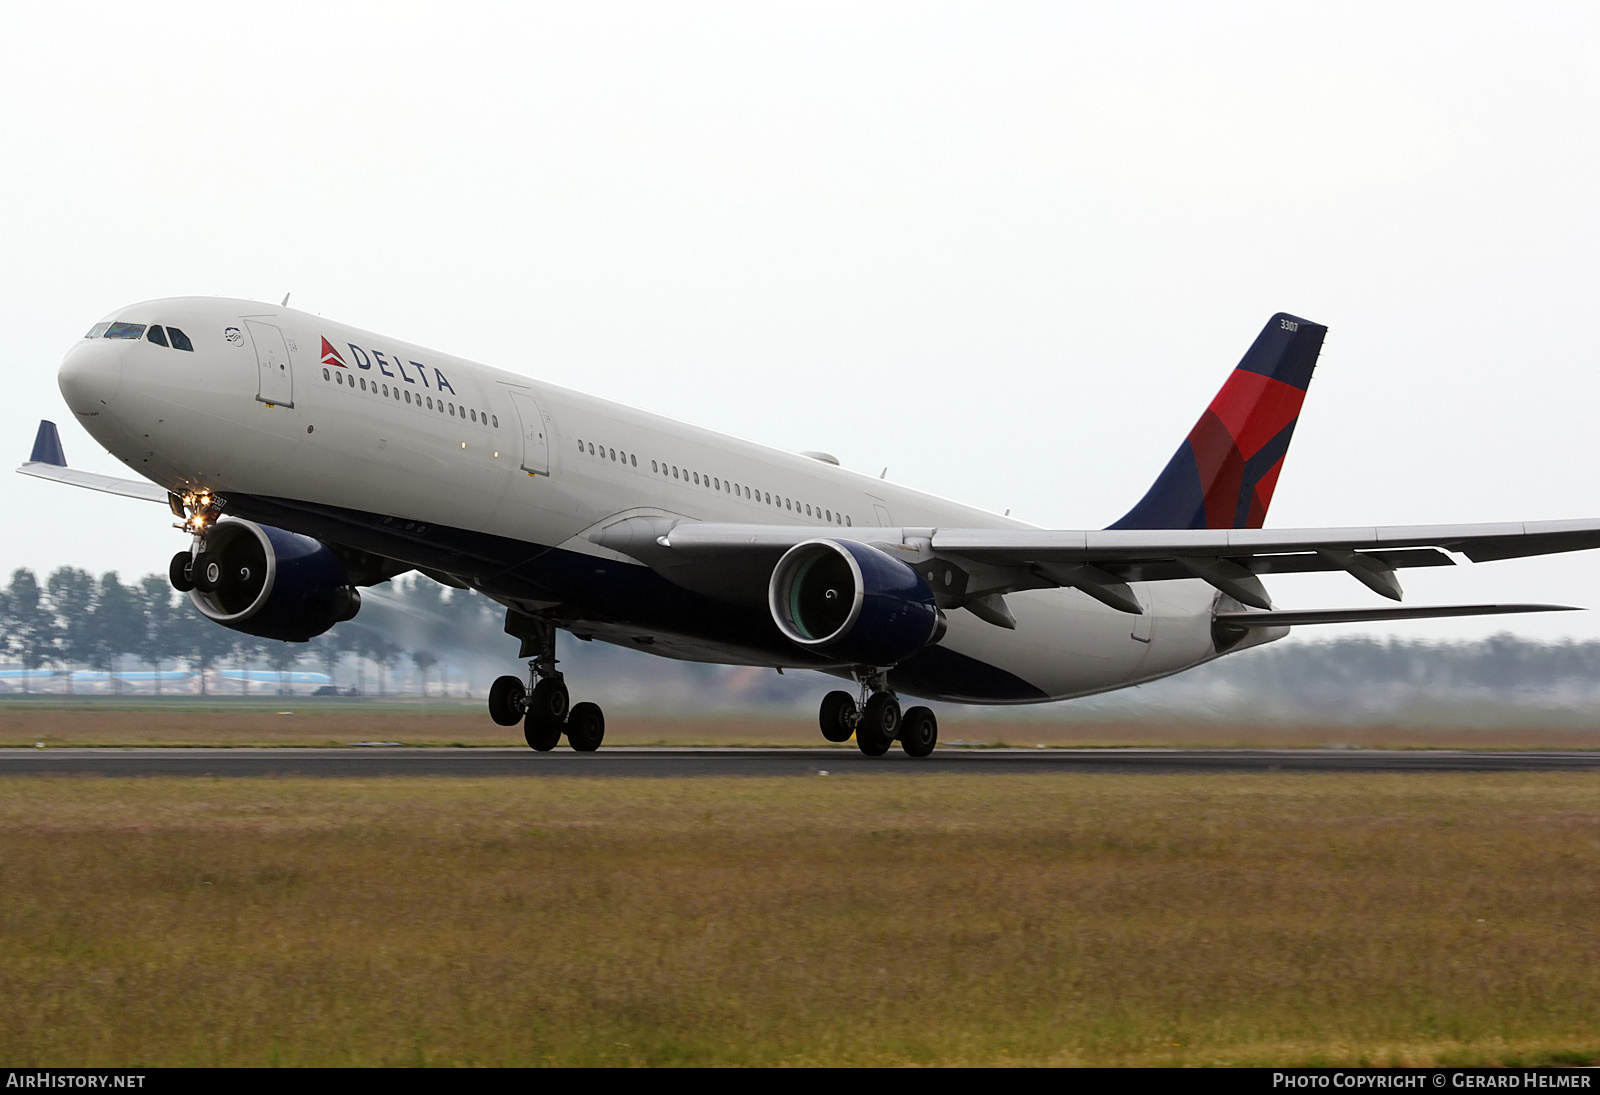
x: 497, y: 479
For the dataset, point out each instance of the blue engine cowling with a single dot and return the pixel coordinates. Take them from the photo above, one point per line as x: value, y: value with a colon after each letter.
x: 271, y: 583
x: 853, y: 602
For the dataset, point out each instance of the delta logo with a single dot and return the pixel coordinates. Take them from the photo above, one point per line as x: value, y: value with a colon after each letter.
x: 365, y: 359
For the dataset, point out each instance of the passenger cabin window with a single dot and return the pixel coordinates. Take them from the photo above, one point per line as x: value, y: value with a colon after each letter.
x: 180, y: 341
x: 157, y: 335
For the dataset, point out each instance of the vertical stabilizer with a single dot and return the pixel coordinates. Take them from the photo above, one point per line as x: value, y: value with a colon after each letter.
x: 1223, y: 474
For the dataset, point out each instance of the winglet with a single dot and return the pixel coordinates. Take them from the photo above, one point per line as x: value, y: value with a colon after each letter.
x: 47, y: 446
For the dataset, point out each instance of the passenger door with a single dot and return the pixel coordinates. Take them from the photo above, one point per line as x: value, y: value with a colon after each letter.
x: 272, y: 362
x: 535, y: 432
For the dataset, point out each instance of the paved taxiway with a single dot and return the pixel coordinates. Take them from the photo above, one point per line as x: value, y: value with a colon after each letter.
x: 672, y: 762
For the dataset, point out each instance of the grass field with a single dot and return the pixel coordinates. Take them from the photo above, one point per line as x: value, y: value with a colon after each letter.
x: 1071, y: 919
x: 109, y: 721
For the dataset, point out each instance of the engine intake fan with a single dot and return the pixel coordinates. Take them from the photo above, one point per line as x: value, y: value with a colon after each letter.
x: 270, y: 583
x: 853, y: 602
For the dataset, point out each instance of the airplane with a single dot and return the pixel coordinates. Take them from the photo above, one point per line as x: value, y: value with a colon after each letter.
x: 306, y: 459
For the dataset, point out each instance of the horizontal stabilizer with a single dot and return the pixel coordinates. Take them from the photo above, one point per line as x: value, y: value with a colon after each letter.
x: 1295, y: 618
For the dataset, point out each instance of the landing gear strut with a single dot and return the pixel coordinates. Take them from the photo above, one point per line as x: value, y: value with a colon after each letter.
x: 876, y: 721
x: 194, y: 569
x: 546, y: 711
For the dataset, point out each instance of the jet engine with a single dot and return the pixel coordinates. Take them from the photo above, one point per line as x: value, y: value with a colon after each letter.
x: 853, y: 602
x: 270, y: 583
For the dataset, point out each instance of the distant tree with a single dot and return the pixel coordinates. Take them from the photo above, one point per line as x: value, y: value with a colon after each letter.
x: 119, y: 625
x: 248, y: 649
x: 72, y: 595
x: 199, y: 640
x: 30, y: 627
x: 383, y: 654
x: 163, y: 640
x: 424, y: 661
x: 282, y: 656
x: 330, y: 649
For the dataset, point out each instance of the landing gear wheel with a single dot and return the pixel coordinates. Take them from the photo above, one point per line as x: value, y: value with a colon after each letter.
x: 880, y: 723
x: 508, y: 699
x: 178, y: 572
x: 919, y: 732
x: 838, y: 716
x: 547, y: 715
x: 205, y: 572
x: 586, y: 727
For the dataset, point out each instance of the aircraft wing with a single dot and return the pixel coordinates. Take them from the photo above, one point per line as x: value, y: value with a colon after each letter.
x: 1144, y: 547
x: 48, y: 461
x: 128, y: 488
x: 988, y: 563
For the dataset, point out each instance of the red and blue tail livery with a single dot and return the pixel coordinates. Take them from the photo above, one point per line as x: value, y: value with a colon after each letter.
x: 1223, y: 474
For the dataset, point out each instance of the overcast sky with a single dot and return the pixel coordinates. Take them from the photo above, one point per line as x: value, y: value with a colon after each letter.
x: 1007, y: 250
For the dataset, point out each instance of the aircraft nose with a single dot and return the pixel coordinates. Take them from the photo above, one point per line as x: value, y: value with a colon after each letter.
x: 90, y: 375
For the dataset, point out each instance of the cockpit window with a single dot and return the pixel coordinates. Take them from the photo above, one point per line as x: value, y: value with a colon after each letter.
x: 157, y: 335
x: 180, y: 341
x: 98, y: 330
x: 125, y: 330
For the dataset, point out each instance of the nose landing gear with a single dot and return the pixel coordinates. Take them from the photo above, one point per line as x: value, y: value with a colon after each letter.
x: 188, y: 569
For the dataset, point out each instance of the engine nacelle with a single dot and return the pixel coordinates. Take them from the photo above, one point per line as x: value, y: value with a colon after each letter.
x: 271, y: 583
x: 854, y: 602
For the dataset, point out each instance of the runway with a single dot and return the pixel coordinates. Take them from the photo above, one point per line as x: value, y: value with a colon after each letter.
x: 628, y: 762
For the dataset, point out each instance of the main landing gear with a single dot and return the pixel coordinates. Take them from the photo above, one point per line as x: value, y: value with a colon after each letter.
x: 547, y: 711
x: 877, y: 722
